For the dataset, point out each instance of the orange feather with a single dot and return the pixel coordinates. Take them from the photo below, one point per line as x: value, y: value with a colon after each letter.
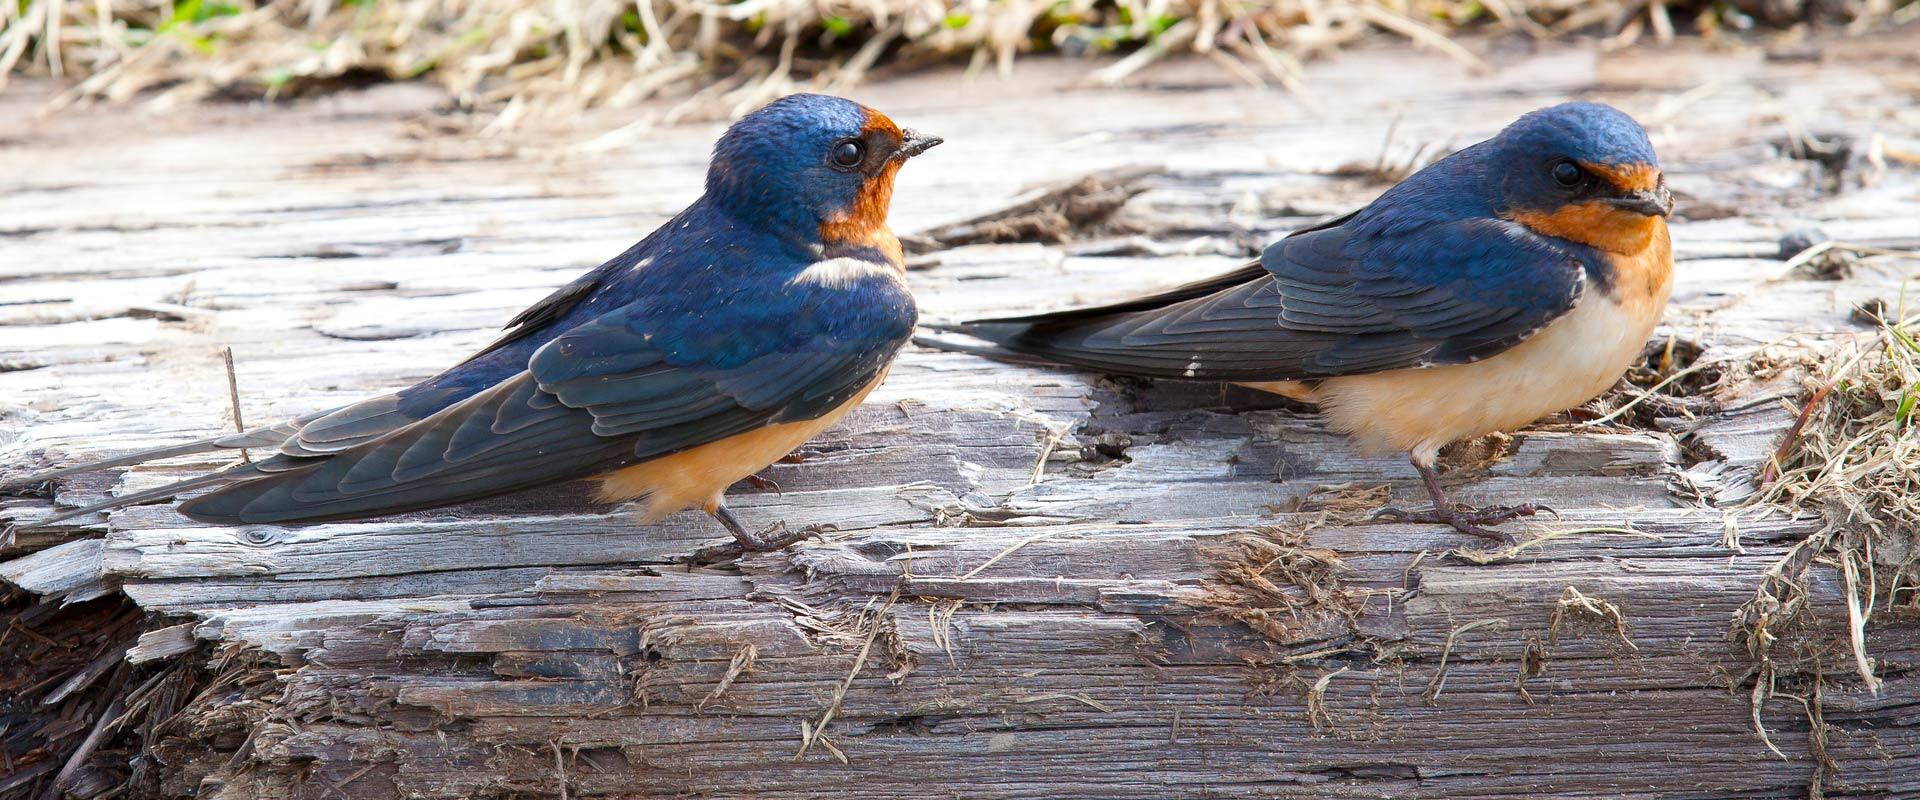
x: 1627, y: 177
x: 865, y: 222
x: 1597, y: 224
x: 701, y: 475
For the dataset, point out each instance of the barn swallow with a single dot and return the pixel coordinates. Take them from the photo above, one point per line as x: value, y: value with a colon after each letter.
x: 1516, y: 278
x: 738, y: 330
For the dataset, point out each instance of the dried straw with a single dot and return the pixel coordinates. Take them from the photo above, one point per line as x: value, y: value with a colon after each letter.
x: 528, y: 59
x: 1855, y: 460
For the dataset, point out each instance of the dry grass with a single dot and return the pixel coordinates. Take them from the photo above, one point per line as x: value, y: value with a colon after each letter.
x: 1857, y: 459
x: 1273, y: 581
x: 742, y: 662
x: 1854, y: 458
x: 536, y: 57
x: 1573, y: 603
x: 1439, y: 683
x: 816, y: 733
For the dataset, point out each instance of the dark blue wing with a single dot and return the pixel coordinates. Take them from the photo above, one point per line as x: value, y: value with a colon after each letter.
x: 794, y: 359
x: 1338, y: 300
x: 648, y: 379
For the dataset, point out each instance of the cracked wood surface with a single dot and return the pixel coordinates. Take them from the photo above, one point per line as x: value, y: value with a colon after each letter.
x: 1065, y: 586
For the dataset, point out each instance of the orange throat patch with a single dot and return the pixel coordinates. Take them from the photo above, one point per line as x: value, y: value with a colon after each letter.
x: 1646, y: 277
x: 1596, y: 224
x: 864, y: 223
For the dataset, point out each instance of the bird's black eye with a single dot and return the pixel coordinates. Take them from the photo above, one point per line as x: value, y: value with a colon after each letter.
x: 847, y: 153
x: 1567, y: 173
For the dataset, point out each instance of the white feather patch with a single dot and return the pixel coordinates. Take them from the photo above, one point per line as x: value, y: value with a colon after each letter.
x: 840, y: 273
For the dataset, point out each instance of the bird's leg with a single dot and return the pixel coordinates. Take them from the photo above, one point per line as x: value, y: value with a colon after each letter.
x: 764, y: 483
x: 773, y: 537
x: 1465, y: 519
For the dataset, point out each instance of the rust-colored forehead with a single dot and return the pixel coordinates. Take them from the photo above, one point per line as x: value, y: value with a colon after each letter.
x: 1627, y: 177
x: 877, y: 121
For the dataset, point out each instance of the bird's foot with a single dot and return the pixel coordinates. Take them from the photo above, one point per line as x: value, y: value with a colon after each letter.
x: 763, y: 484
x: 766, y: 540
x: 777, y: 537
x: 1466, y: 519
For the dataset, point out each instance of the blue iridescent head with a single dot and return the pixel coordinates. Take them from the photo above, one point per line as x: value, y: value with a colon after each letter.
x: 1582, y: 171
x: 813, y: 168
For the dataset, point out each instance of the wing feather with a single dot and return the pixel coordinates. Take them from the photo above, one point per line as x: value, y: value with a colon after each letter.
x: 1335, y: 300
x: 645, y: 380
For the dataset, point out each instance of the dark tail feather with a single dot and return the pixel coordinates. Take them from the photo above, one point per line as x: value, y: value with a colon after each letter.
x: 126, y: 459
x: 984, y: 339
x: 259, y: 437
x: 309, y: 494
x: 151, y: 495
x: 456, y: 456
x: 1051, y: 343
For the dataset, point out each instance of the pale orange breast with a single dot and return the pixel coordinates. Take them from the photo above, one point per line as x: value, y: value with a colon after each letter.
x: 700, y: 476
x: 1571, y: 361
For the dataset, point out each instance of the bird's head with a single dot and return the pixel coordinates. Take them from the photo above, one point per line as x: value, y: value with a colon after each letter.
x: 813, y: 168
x: 1581, y: 171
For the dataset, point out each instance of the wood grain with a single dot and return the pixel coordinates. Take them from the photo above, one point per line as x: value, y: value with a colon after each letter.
x: 1067, y: 586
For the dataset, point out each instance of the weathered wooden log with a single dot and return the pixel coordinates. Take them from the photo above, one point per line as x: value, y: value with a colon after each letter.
x: 1045, y: 584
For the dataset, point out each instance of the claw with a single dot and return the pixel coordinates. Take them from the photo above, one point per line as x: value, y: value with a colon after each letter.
x: 1496, y: 515
x: 764, y: 484
x: 1471, y: 529
x: 1465, y: 519
x: 768, y: 539
x: 777, y: 537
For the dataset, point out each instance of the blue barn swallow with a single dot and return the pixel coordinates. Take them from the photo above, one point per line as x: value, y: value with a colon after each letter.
x: 735, y: 332
x: 1516, y: 278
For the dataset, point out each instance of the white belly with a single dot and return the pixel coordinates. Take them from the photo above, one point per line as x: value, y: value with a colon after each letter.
x: 1570, y: 362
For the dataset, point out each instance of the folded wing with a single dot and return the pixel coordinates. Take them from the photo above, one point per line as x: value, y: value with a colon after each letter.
x: 1337, y: 300
x: 632, y: 385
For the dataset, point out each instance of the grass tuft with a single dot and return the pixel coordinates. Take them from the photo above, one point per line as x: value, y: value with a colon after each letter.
x: 529, y: 58
x: 1854, y: 456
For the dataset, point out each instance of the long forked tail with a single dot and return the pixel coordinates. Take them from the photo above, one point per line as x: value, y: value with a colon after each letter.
x: 294, y: 446
x: 157, y: 493
x: 970, y: 339
x: 1048, y: 343
x: 289, y: 444
x: 271, y: 436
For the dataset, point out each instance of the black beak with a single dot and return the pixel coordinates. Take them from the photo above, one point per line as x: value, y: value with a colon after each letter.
x: 913, y: 144
x: 1655, y: 202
